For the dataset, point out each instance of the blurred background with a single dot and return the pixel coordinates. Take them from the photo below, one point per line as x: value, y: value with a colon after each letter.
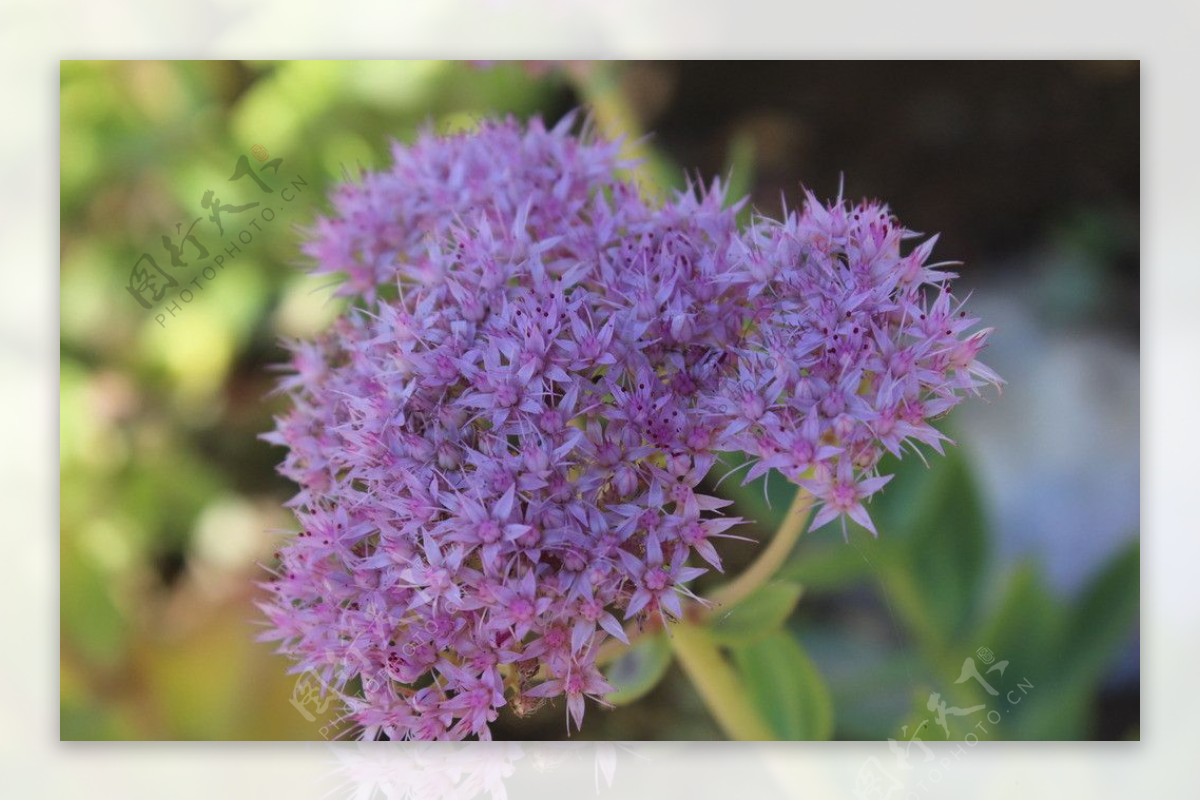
x: 1017, y: 553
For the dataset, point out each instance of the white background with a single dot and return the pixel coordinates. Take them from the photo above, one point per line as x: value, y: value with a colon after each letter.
x: 35, y: 35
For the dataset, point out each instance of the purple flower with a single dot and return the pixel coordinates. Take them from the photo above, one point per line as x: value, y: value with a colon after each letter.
x: 500, y: 447
x: 852, y: 351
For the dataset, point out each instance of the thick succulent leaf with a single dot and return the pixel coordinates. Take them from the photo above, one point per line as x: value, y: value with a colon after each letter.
x: 639, y: 669
x: 759, y: 615
x: 786, y: 687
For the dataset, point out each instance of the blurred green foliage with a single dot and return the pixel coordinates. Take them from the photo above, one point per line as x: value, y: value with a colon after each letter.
x: 170, y: 503
x: 167, y: 497
x: 926, y: 577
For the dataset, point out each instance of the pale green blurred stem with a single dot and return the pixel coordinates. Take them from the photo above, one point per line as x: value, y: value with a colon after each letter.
x: 598, y: 85
x: 717, y: 683
x: 768, y: 562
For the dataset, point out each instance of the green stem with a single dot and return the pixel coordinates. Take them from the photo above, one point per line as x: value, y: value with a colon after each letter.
x: 770, y: 559
x: 717, y: 683
x: 598, y: 85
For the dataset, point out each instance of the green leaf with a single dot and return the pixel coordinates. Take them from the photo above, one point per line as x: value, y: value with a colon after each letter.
x: 761, y: 613
x: 869, y: 679
x: 786, y: 687
x: 1025, y: 630
x: 639, y: 669
x: 91, y: 621
x: 1103, y: 618
x: 940, y: 530
x: 826, y: 566
x: 1074, y: 657
x: 1025, y: 626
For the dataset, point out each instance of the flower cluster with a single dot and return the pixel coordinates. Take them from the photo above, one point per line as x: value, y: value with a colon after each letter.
x: 501, y: 446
